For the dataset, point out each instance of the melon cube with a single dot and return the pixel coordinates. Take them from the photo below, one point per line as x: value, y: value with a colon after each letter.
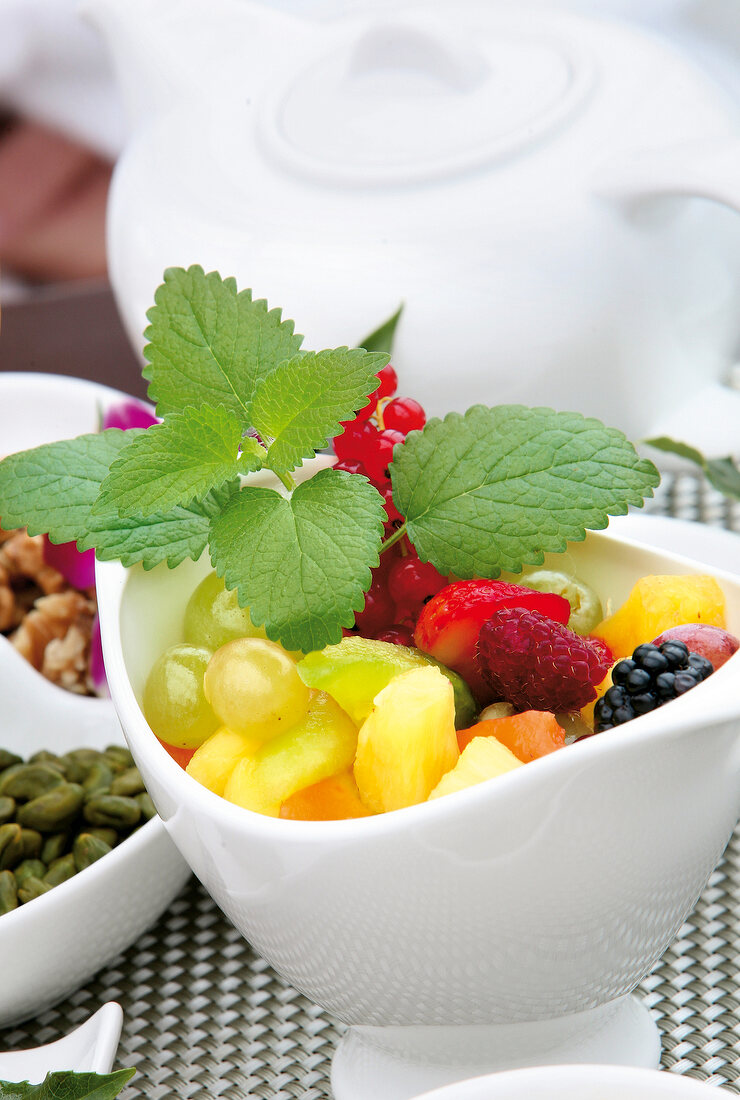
x: 316, y: 747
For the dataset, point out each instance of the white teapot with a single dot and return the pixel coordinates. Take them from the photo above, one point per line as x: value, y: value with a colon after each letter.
x: 547, y: 194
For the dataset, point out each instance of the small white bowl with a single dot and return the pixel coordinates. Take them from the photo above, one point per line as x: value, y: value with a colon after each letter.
x: 52, y: 945
x: 578, y: 1083
x: 501, y: 926
x: 90, y: 1048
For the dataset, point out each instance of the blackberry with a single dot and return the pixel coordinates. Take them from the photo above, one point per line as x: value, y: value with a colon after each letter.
x: 652, y: 676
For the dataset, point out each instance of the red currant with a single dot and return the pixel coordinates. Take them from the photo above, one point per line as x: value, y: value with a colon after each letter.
x: 404, y: 414
x: 351, y: 466
x: 411, y: 581
x: 399, y: 635
x: 391, y: 511
x: 354, y: 441
x: 388, y: 382
x: 377, y: 454
x: 378, y: 611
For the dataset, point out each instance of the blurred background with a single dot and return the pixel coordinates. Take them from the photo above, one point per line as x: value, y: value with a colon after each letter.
x: 63, y: 125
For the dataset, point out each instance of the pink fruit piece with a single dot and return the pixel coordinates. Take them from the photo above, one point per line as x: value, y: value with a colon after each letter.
x: 536, y: 663
x: 712, y: 642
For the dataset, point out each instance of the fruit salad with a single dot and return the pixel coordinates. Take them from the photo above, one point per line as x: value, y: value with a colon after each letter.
x: 384, y: 632
x: 440, y: 683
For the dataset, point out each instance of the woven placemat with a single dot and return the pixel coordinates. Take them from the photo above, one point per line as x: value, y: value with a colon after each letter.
x: 205, y: 1017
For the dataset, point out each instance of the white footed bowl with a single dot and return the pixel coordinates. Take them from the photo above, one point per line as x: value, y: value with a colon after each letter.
x: 578, y: 1083
x: 52, y: 945
x: 501, y: 926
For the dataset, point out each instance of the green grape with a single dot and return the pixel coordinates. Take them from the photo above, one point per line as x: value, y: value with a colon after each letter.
x: 174, y: 704
x: 213, y: 616
x: 585, y: 605
x: 254, y: 687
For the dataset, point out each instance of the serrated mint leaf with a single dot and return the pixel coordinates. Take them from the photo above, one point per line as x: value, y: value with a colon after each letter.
x: 67, y: 1085
x: 174, y: 462
x: 721, y: 473
x: 51, y: 489
x: 172, y: 536
x: 497, y: 488
x: 300, y: 405
x: 381, y: 339
x: 209, y: 344
x: 301, y: 564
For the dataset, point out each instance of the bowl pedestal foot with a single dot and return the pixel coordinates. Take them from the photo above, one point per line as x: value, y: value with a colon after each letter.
x: 397, y: 1063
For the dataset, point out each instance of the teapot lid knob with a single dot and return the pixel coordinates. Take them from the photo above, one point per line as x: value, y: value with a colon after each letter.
x: 420, y: 95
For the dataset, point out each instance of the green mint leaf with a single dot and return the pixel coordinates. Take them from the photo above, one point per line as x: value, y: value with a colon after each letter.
x: 171, y: 536
x: 209, y: 344
x: 382, y: 338
x: 300, y: 405
x: 301, y: 564
x: 175, y: 462
x: 67, y: 1085
x: 496, y: 488
x: 721, y: 473
x: 51, y: 489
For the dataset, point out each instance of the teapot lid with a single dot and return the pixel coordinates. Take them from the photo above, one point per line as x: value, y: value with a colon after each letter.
x: 424, y: 94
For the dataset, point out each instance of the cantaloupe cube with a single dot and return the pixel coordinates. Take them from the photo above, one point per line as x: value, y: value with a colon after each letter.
x: 657, y: 603
x: 331, y: 799
x: 408, y: 741
x: 484, y: 758
x: 319, y: 745
x: 529, y: 735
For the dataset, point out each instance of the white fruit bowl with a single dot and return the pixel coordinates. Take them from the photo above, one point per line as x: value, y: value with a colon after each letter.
x: 501, y: 926
x: 52, y: 945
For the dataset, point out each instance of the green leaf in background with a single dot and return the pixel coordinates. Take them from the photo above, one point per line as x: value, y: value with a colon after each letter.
x: 721, y: 473
x: 382, y: 338
x: 496, y: 488
x: 210, y: 344
x: 176, y: 462
x: 51, y: 489
x: 302, y: 564
x: 67, y: 1085
x: 172, y: 536
x: 300, y: 405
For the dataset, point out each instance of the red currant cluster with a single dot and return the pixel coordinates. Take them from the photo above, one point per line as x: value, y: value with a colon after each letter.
x: 401, y: 584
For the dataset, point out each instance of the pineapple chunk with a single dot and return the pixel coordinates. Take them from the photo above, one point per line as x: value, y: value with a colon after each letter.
x: 214, y: 761
x: 408, y: 740
x: 319, y: 745
x: 657, y: 603
x: 484, y: 758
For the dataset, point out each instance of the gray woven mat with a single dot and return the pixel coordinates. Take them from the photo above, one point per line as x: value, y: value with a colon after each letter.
x: 205, y: 1017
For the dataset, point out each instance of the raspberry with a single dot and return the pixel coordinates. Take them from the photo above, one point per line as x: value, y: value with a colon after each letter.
x: 538, y: 664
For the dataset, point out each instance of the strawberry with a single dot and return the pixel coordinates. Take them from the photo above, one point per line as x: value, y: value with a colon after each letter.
x: 450, y: 623
x: 538, y: 664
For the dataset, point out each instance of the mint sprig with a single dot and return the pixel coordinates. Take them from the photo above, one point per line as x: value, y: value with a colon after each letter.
x: 301, y: 565
x: 52, y: 489
x: 493, y: 489
x: 177, y: 462
x: 499, y: 487
x: 210, y: 344
x: 68, y: 1085
x: 301, y: 404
